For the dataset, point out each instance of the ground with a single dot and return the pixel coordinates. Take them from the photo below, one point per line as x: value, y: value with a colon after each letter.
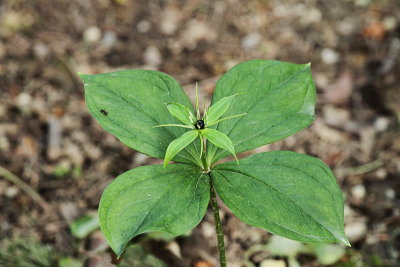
x: 55, y: 160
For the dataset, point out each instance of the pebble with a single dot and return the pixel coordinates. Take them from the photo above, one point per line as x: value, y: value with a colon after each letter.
x: 362, y: 3
x: 152, y: 56
x: 69, y: 211
x: 251, y: 40
x: 41, y: 51
x: 273, y: 263
x: 358, y: 192
x: 54, y: 137
x: 389, y: 23
x: 24, y: 100
x: 381, y: 124
x: 356, y: 229
x: 207, y: 229
x: 143, y: 26
x: 92, y: 34
x: 329, y: 56
x: 140, y: 159
x: 381, y: 174
x: 174, y: 248
x: 197, y: 30
x: 336, y: 117
x: 390, y: 193
x: 11, y: 191
x: 170, y: 19
x: 109, y: 39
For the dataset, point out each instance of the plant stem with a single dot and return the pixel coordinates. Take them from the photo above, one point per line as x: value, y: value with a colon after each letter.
x: 218, y: 226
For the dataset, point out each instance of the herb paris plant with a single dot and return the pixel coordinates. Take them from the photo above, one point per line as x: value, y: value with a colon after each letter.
x: 261, y: 101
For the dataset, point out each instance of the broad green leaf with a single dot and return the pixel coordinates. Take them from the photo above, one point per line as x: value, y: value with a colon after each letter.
x: 84, y: 226
x: 286, y: 193
x: 153, y: 198
x: 328, y: 254
x: 137, y: 256
x: 179, y: 144
x: 182, y: 113
x: 218, y: 109
x: 129, y: 103
x: 278, y: 97
x: 69, y: 262
x: 220, y: 140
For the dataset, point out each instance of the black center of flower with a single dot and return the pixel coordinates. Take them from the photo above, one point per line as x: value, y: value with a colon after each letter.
x: 199, y: 124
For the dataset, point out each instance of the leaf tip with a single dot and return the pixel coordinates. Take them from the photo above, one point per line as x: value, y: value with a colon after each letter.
x: 83, y: 75
x: 344, y: 241
x: 341, y: 238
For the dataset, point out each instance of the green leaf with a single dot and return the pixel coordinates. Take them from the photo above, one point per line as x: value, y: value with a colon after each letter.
x: 218, y: 109
x: 137, y: 256
x: 278, y: 99
x: 69, y: 262
x: 182, y: 113
x: 328, y: 254
x: 151, y: 198
x: 84, y: 226
x: 286, y: 193
x: 179, y: 144
x: 129, y: 103
x: 220, y: 140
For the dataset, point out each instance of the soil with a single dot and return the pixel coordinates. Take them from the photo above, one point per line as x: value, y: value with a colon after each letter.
x: 49, y: 141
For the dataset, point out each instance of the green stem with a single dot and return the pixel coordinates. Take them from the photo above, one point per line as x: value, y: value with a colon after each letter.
x: 218, y: 226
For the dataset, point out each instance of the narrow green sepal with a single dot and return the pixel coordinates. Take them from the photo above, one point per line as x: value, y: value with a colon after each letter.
x: 218, y: 109
x: 179, y: 144
x: 220, y: 140
x: 181, y: 112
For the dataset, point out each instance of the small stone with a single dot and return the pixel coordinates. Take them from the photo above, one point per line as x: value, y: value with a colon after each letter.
x: 52, y: 228
x: 174, y: 248
x: 92, y: 34
x: 390, y: 193
x: 109, y: 39
x: 196, y: 31
x: 69, y: 211
x: 40, y: 50
x: 143, y: 26
x: 24, y: 100
x: 207, y: 229
x: 54, y: 137
x: 152, y: 56
x: 381, y: 174
x: 251, y: 40
x: 389, y: 23
x: 329, y: 56
x: 170, y: 19
x: 273, y: 263
x: 336, y: 117
x: 11, y: 191
x: 358, y: 192
x: 362, y: 3
x: 381, y: 124
x: 141, y: 159
x: 356, y: 229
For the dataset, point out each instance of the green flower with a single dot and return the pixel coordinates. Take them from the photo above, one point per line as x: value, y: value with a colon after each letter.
x: 200, y: 126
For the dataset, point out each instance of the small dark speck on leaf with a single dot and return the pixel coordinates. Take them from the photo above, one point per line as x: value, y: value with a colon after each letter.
x: 104, y: 112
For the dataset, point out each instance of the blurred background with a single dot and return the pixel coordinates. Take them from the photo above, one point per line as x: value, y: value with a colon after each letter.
x: 55, y: 160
